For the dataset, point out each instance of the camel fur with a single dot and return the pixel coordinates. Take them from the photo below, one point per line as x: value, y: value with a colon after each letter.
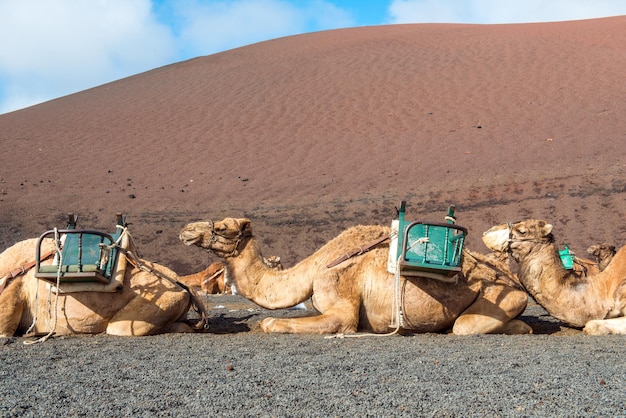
x: 212, y: 279
x: 147, y: 304
x: 596, y: 302
x: 358, y: 294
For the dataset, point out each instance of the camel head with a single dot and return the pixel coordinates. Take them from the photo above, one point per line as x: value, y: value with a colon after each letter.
x: 603, y: 254
x: 221, y: 237
x: 517, y: 238
x: 602, y: 251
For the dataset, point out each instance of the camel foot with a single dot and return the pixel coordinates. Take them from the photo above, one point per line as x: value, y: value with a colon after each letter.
x: 596, y: 328
x: 267, y: 325
x: 320, y: 324
x: 606, y: 326
x: 517, y: 327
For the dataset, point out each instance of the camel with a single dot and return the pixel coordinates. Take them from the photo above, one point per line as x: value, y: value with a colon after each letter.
x: 603, y: 253
x: 358, y: 294
x: 596, y: 303
x: 149, y: 302
x: 212, y: 281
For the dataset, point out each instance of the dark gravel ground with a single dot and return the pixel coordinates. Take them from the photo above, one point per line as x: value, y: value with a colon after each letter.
x: 234, y: 370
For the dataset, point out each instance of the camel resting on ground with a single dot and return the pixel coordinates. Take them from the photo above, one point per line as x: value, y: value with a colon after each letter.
x: 596, y: 302
x: 358, y: 294
x: 149, y: 302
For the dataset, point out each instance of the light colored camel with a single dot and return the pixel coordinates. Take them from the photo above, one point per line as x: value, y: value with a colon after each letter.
x: 149, y: 302
x: 596, y: 302
x: 603, y: 253
x: 212, y: 281
x: 358, y: 294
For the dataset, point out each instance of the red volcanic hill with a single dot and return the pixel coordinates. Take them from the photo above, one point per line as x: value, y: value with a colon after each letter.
x: 310, y: 134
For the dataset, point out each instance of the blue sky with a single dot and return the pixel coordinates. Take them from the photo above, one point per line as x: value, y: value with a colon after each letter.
x: 52, y: 48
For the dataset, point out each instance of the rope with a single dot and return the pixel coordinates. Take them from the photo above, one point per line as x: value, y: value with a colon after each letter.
x: 57, y: 245
x: 195, y: 303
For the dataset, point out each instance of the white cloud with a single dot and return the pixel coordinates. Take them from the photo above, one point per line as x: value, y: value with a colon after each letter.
x: 53, y: 48
x: 213, y: 26
x: 209, y: 27
x: 501, y: 11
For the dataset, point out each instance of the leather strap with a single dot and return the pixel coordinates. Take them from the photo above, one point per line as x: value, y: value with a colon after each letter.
x: 357, y: 251
x: 24, y: 268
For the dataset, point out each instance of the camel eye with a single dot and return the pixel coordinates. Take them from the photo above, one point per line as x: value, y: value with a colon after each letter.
x: 522, y: 231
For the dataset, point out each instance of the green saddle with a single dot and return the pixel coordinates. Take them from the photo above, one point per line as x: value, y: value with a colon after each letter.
x: 428, y: 248
x: 86, y: 255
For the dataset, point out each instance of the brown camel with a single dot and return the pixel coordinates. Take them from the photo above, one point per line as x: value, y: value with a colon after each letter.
x: 603, y: 253
x: 596, y: 302
x: 212, y: 281
x: 358, y: 294
x: 148, y: 302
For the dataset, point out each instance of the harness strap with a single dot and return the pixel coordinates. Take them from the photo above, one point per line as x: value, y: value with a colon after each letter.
x: 24, y: 268
x: 357, y: 251
x: 213, y: 276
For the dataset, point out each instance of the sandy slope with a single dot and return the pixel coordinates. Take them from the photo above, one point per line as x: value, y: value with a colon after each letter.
x: 310, y: 134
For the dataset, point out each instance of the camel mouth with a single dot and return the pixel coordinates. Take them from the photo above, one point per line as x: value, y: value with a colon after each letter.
x: 496, y: 239
x: 188, y: 239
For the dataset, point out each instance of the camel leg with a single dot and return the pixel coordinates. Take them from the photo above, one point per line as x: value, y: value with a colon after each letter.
x: 493, y: 312
x: 143, y: 317
x: 11, y: 308
x: 516, y: 327
x: 606, y: 326
x: 341, y: 318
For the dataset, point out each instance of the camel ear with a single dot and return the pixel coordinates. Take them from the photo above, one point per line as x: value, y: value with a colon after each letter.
x: 244, y: 225
x: 547, y: 228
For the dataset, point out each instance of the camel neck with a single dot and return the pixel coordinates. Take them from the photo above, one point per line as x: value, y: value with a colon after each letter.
x: 555, y: 288
x: 267, y: 287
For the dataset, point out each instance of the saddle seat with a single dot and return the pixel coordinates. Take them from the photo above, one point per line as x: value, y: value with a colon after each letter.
x: 87, y: 256
x: 426, y: 249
